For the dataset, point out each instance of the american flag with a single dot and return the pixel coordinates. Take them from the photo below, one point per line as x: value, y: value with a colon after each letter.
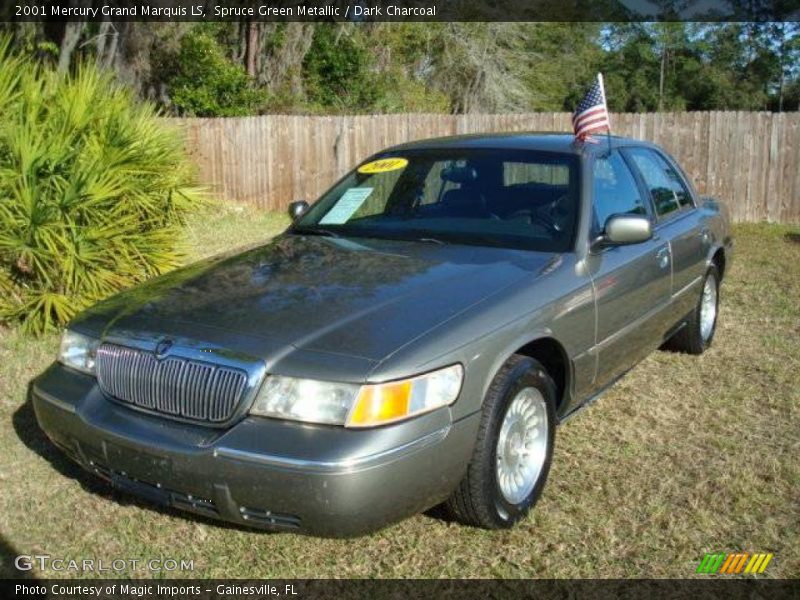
x: 591, y: 116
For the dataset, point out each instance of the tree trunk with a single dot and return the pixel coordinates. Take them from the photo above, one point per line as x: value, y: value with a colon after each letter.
x: 282, y: 68
x: 661, y: 80
x: 101, y: 43
x: 73, y: 30
x: 252, y: 49
x: 112, y: 47
x: 782, y: 66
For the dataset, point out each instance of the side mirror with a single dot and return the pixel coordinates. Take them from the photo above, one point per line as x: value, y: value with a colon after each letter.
x: 625, y: 229
x: 297, y: 209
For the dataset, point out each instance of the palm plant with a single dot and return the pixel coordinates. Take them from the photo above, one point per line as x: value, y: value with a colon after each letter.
x: 93, y: 190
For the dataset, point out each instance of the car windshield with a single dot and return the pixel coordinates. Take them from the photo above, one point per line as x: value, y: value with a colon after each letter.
x: 504, y: 198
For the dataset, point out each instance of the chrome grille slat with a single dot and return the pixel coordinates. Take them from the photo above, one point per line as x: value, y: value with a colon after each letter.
x: 173, y: 386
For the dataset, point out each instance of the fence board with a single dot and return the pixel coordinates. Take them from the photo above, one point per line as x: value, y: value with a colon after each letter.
x: 747, y: 160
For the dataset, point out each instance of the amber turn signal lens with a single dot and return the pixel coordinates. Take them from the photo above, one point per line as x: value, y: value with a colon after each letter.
x: 382, y: 403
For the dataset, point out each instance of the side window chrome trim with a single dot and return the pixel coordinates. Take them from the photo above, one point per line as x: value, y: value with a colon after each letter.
x: 675, y: 215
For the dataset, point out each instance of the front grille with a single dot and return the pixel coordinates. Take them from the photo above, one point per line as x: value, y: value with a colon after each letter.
x: 172, y: 386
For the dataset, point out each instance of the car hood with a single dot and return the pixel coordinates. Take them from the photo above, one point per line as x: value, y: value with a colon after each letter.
x: 358, y: 298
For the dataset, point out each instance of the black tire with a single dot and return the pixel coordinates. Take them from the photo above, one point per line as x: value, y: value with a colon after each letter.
x: 478, y: 500
x: 689, y: 338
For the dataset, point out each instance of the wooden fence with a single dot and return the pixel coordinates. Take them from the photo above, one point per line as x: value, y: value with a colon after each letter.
x: 748, y: 160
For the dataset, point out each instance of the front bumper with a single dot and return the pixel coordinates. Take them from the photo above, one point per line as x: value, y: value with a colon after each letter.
x: 264, y: 473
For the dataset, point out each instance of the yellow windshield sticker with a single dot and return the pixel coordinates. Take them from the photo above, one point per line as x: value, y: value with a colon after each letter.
x: 382, y: 165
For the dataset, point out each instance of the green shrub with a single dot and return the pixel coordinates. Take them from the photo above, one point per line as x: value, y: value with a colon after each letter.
x: 203, y: 82
x: 338, y: 70
x: 93, y: 190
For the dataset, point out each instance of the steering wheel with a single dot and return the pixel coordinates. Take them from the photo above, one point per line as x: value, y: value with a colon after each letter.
x: 549, y: 215
x: 552, y: 214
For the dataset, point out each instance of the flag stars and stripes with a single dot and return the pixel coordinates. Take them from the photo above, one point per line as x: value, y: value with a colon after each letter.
x: 591, y: 115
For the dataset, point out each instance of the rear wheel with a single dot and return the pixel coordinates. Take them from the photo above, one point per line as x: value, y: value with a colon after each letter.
x: 699, y: 330
x: 514, y: 449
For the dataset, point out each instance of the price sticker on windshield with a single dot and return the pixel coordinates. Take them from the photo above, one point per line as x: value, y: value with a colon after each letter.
x: 346, y: 206
x: 383, y: 165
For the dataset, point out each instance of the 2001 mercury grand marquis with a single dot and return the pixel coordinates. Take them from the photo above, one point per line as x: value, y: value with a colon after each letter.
x: 413, y: 338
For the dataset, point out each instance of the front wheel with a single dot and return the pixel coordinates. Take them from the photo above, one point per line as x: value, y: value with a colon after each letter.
x: 696, y: 336
x: 514, y: 448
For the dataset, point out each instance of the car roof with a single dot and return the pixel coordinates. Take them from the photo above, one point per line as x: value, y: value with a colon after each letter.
x: 527, y: 140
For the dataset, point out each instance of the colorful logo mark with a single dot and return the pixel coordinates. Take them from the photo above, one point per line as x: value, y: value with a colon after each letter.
x: 732, y: 564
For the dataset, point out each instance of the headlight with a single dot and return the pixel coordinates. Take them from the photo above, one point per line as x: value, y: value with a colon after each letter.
x: 357, y: 406
x: 78, y: 351
x: 304, y: 400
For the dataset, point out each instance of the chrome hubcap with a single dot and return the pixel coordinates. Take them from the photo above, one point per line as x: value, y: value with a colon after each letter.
x: 708, y: 308
x: 522, y: 445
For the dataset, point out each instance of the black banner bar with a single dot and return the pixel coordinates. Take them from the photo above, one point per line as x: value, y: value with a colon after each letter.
x: 400, y: 10
x: 411, y: 589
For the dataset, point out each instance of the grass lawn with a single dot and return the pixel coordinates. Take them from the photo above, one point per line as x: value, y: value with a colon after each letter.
x: 683, y: 456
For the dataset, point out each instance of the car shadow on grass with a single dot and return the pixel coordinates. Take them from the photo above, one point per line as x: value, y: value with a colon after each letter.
x: 8, y: 554
x: 30, y: 434
x: 440, y: 513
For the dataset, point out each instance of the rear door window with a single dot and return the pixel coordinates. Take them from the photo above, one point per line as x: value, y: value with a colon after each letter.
x: 666, y: 188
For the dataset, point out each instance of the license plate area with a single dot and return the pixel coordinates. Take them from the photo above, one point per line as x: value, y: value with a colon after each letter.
x: 142, y: 490
x: 140, y: 474
x: 135, y: 464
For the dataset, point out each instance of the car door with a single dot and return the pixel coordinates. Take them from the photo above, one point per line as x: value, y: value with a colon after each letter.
x: 632, y: 282
x: 679, y: 223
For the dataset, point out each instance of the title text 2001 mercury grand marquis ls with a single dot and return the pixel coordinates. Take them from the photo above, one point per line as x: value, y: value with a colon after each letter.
x: 414, y: 338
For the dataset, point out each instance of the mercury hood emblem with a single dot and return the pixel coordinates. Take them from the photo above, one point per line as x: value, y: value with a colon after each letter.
x: 163, y: 348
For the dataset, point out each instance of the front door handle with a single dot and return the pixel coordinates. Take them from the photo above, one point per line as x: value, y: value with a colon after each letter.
x: 663, y: 258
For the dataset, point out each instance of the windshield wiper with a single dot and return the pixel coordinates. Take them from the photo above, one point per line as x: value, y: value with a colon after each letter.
x: 315, y: 231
